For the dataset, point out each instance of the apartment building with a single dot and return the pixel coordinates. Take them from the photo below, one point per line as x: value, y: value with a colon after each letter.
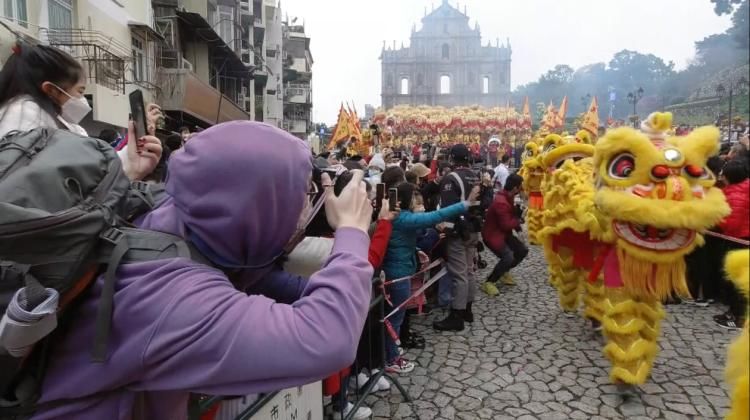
x: 204, y: 61
x: 297, y: 80
x: 113, y: 39
x: 272, y: 49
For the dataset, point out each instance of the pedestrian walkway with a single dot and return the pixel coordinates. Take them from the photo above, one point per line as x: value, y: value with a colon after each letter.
x: 524, y: 359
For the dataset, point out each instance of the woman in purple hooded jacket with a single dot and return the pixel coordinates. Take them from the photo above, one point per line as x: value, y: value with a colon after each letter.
x: 239, y: 191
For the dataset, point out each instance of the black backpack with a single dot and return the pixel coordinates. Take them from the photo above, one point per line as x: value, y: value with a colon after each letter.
x: 65, y: 207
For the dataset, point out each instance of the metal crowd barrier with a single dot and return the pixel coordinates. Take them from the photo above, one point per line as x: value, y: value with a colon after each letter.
x: 375, y: 315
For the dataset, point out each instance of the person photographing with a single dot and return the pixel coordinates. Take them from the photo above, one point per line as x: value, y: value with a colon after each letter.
x: 460, y: 185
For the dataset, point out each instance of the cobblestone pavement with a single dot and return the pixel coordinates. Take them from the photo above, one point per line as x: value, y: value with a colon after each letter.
x: 523, y: 359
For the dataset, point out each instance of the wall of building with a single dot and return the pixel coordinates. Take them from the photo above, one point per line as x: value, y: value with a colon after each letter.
x: 274, y: 95
x: 446, y: 46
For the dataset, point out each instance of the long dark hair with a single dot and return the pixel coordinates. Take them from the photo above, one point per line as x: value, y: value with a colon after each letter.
x: 31, y: 65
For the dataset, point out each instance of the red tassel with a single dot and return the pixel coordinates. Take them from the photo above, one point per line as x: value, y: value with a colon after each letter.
x: 16, y: 48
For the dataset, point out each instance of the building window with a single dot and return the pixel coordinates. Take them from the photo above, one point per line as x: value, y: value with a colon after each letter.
x: 225, y: 24
x: 445, y: 84
x: 60, y: 14
x: 404, y: 86
x: 446, y: 51
x: 486, y: 85
x: 15, y: 10
x: 139, y: 60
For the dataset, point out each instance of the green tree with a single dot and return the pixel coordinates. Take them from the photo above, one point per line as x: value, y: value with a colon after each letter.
x: 725, y: 7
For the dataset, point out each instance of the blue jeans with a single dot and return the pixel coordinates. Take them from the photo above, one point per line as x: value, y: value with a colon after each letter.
x: 398, y: 293
x: 445, y: 290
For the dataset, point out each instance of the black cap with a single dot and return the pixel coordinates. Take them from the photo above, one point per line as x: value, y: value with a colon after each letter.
x: 459, y: 152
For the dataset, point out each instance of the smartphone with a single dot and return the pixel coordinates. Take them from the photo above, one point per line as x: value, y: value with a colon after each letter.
x: 379, y: 194
x: 393, y: 199
x: 138, y: 113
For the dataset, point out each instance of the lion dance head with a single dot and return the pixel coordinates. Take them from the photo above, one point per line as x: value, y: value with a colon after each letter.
x: 660, y: 196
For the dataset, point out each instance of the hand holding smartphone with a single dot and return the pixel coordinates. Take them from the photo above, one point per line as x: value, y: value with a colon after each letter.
x: 138, y: 115
x: 393, y: 199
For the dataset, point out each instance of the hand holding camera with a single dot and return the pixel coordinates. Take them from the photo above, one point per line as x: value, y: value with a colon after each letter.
x: 352, y: 207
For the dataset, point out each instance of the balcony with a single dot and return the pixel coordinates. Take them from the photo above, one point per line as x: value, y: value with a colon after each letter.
x: 297, y: 94
x: 198, y: 29
x: 260, y: 74
x: 103, y: 58
x: 182, y: 91
x: 296, y: 127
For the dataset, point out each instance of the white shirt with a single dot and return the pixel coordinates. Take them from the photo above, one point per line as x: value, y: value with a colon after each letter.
x: 501, y: 174
x: 24, y: 114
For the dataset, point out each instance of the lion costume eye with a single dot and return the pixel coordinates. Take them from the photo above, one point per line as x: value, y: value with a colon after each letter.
x: 622, y: 166
x: 696, y: 171
x: 549, y: 147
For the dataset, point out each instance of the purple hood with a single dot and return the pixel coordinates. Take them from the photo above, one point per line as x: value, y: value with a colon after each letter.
x: 246, y: 210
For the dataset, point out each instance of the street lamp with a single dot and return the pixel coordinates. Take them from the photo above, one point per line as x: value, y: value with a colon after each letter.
x: 633, y: 98
x: 739, y: 84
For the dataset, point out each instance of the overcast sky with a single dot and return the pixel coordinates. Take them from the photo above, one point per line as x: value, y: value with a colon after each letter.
x: 347, y: 36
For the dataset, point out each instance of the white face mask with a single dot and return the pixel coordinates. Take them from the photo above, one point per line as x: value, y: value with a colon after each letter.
x: 74, y: 109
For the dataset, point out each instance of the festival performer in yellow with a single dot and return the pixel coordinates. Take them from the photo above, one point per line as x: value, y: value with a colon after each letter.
x: 533, y: 173
x: 569, y: 219
x: 659, y: 196
x: 738, y: 357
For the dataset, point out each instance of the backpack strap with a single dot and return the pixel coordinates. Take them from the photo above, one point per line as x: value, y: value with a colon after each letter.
x: 460, y: 182
x: 103, y: 322
x: 131, y: 245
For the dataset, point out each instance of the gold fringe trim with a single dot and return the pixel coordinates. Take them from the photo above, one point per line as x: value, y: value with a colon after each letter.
x: 649, y: 280
x: 593, y: 299
x: 534, y: 225
x: 631, y: 327
x: 570, y: 287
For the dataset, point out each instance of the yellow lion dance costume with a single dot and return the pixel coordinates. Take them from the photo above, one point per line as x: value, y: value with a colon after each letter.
x: 571, y: 227
x: 738, y: 366
x: 659, y: 195
x: 532, y: 173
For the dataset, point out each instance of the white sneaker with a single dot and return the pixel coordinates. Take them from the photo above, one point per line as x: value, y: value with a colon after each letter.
x: 382, y: 385
x: 361, y: 380
x: 362, y: 413
x: 400, y: 366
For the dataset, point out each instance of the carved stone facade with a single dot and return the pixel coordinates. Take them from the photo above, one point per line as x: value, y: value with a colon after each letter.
x: 446, y: 65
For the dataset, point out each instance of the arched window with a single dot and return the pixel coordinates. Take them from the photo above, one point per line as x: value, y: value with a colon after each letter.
x: 420, y: 79
x: 404, y: 86
x: 486, y: 84
x: 446, y: 51
x: 445, y: 84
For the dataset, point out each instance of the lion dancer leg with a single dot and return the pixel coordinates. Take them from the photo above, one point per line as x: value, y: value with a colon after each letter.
x: 534, y: 224
x: 631, y: 327
x: 570, y: 284
x: 593, y: 301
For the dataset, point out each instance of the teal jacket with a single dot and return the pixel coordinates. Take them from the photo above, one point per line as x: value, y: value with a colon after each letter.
x: 400, y: 258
